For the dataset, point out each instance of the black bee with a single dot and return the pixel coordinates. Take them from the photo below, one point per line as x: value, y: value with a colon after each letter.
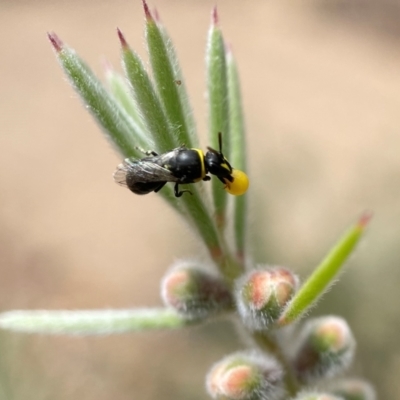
x: 180, y: 165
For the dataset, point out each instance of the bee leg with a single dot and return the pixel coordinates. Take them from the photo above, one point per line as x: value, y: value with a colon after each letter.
x: 147, y: 152
x: 207, y: 178
x: 179, y: 193
x: 160, y: 187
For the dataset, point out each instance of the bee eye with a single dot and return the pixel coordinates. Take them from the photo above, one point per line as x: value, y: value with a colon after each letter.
x: 239, y: 185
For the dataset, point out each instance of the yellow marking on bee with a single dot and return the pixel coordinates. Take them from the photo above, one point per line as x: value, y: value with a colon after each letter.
x: 203, y: 168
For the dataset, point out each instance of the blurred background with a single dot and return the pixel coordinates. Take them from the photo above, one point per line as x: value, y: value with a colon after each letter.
x: 321, y: 89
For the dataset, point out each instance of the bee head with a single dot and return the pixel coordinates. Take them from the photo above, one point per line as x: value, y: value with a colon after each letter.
x: 236, y: 181
x: 218, y: 165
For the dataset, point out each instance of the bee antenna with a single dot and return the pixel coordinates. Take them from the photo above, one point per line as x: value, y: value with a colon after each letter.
x: 220, y: 141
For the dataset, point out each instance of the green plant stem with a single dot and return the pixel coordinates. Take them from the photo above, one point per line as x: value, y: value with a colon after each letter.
x: 91, y: 322
x: 271, y: 346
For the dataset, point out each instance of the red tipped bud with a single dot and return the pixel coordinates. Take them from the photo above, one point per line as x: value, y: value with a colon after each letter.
x: 353, y: 389
x: 326, y: 348
x: 195, y: 292
x: 245, y: 376
x: 263, y: 294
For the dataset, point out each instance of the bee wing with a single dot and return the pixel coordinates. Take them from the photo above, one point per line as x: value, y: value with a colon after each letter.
x: 142, y: 171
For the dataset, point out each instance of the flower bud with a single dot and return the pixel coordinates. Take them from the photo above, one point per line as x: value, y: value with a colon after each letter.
x: 194, y: 292
x: 317, y: 396
x: 353, y: 389
x: 245, y: 376
x: 263, y: 294
x: 326, y: 347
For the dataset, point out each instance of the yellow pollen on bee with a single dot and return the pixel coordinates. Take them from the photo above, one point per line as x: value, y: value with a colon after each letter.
x: 239, y: 185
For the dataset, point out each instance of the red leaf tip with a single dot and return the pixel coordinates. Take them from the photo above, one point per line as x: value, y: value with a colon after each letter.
x: 214, y: 15
x: 147, y: 12
x: 121, y: 37
x: 364, y: 219
x: 55, y: 41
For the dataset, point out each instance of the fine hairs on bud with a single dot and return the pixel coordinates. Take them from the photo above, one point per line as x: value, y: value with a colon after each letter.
x: 194, y: 291
x: 326, y: 347
x: 262, y: 295
x: 245, y: 376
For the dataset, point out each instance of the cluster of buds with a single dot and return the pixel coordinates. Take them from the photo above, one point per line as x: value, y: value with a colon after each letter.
x: 320, y: 349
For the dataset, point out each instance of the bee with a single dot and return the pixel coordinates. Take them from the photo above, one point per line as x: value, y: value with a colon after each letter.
x: 181, y: 165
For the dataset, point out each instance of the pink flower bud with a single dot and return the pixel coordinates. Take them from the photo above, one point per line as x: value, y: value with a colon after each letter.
x: 195, y: 292
x: 245, y: 376
x: 263, y: 294
x: 326, y: 347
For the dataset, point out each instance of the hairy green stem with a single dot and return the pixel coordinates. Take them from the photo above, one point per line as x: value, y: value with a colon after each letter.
x: 269, y: 344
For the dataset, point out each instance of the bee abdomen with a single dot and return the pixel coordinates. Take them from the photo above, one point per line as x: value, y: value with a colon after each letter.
x: 143, y: 187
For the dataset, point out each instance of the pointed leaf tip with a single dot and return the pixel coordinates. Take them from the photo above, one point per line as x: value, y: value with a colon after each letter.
x: 364, y: 219
x: 214, y: 15
x: 122, y: 39
x: 55, y: 41
x: 147, y: 12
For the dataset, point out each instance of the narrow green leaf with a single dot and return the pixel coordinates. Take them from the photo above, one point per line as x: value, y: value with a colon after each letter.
x: 202, y: 221
x: 146, y: 98
x: 324, y: 274
x: 171, y: 88
x: 119, y: 88
x: 119, y: 127
x: 169, y: 82
x: 183, y: 94
x: 238, y: 151
x: 91, y: 322
x: 218, y: 106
